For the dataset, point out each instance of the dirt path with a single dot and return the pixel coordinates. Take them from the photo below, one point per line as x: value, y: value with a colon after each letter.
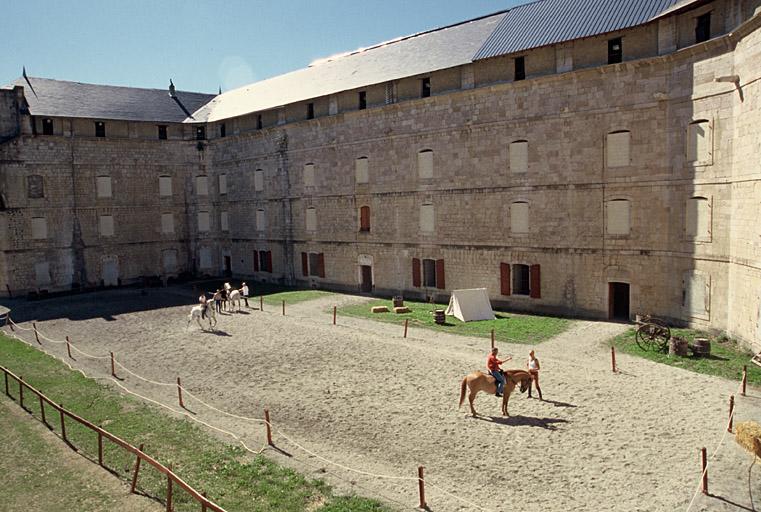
x: 361, y: 395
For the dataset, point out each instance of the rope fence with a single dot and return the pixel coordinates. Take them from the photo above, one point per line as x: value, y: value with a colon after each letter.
x: 270, y: 428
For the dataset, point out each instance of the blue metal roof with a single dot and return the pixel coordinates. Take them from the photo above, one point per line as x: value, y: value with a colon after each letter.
x: 553, y: 21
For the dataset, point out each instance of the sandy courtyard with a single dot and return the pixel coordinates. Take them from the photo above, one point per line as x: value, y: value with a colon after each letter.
x: 361, y: 395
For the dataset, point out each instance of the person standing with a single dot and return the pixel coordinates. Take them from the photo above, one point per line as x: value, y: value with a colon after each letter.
x: 492, y: 363
x: 244, y: 292
x: 533, y: 369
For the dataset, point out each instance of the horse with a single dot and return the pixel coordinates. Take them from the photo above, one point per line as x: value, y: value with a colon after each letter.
x: 479, y: 381
x: 226, y: 296
x: 233, y: 298
x: 211, y: 316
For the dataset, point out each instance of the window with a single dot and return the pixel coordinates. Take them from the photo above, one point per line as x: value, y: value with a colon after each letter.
x: 47, y: 126
x: 263, y: 261
x: 200, y: 133
x: 390, y: 93
x: 699, y: 142
x: 261, y: 220
x: 432, y: 275
x: 310, y: 110
x: 165, y: 186
x: 521, y: 280
x: 617, y: 148
x: 106, y: 225
x: 313, y: 264
x: 309, y: 175
x: 425, y: 164
x: 618, y: 217
x: 162, y: 132
x: 224, y: 221
x: 204, y: 257
x: 222, y: 184
x: 35, y: 186
x: 311, y: 219
x: 259, y: 124
x: 39, y: 228
x: 519, y: 217
x: 698, y: 224
x: 167, y: 223
x: 519, y: 73
x: 100, y: 129
x: 103, y: 186
x: 362, y: 100
x: 222, y: 130
x: 361, y: 170
x: 364, y: 218
x: 518, y: 154
x: 703, y: 28
x: 615, y: 51
x: 259, y: 180
x: 425, y: 87
x: 427, y: 218
x: 203, y: 222
x: 696, y: 294
x: 202, y: 186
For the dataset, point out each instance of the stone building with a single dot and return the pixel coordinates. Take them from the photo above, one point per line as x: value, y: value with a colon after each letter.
x: 586, y: 158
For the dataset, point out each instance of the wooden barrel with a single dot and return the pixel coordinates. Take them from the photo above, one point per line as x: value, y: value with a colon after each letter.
x: 702, y: 347
x: 439, y: 317
x: 678, y: 346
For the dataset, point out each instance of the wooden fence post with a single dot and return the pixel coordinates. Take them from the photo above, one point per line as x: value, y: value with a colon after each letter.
x: 492, y: 338
x: 9, y: 321
x: 421, y: 487
x: 179, y: 392
x: 42, y: 410
x: 7, y: 392
x: 68, y: 347
x: 21, y: 392
x: 269, y: 427
x: 731, y: 412
x: 203, y: 503
x: 63, y: 425
x: 283, y: 308
x: 334, y: 314
x: 613, y: 358
x: 36, y: 334
x: 261, y: 303
x: 10, y: 293
x: 137, y: 468
x: 100, y: 448
x: 169, y: 490
x: 406, y: 320
x: 113, y: 368
x: 704, y: 468
x: 745, y: 379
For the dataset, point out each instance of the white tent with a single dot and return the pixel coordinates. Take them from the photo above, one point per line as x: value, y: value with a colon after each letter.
x: 469, y: 305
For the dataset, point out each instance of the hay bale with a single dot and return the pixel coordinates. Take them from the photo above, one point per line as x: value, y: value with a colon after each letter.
x: 379, y: 309
x: 745, y: 434
x: 403, y: 309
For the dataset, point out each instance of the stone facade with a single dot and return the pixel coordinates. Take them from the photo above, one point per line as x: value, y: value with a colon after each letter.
x: 641, y: 184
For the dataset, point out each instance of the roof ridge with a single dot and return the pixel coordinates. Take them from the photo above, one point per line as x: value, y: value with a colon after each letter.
x: 109, y: 85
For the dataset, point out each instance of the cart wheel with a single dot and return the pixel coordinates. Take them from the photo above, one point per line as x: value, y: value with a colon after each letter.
x: 644, y: 336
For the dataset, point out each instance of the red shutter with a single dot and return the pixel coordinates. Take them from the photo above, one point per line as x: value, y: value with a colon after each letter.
x: 321, y: 265
x: 256, y: 261
x: 536, y: 283
x: 504, y: 278
x: 416, y: 272
x: 364, y: 218
x: 304, y: 264
x: 440, y: 275
x: 269, y: 261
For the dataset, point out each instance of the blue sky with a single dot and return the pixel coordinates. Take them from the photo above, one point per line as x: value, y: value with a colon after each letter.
x: 204, y: 45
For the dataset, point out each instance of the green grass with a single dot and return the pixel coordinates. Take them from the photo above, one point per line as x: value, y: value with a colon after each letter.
x: 726, y: 360
x: 232, y: 478
x: 508, y: 327
x: 293, y: 297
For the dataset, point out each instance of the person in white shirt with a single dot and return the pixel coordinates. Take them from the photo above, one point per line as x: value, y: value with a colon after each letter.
x: 533, y: 369
x: 244, y: 292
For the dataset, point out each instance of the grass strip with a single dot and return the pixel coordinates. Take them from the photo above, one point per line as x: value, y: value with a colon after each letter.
x: 231, y: 477
x: 508, y: 327
x: 726, y: 360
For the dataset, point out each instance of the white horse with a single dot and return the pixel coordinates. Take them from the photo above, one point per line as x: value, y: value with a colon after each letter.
x: 226, y: 303
x: 211, y: 316
x: 233, y: 298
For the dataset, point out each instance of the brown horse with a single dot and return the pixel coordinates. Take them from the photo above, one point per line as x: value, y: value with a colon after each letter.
x: 479, y: 381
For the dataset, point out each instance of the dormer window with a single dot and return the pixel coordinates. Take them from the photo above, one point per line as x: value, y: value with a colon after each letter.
x: 425, y: 87
x: 615, y: 51
x: 703, y: 28
x: 100, y: 129
x: 162, y: 132
x: 362, y: 100
x: 310, y: 110
x: 200, y: 133
x: 47, y: 126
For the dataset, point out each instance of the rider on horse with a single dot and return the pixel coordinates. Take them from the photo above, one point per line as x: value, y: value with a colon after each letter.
x: 202, y: 301
x: 492, y: 363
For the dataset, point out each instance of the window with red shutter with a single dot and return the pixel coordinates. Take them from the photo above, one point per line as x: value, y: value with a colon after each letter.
x: 256, y: 261
x: 364, y: 218
x: 304, y: 264
x: 416, y: 272
x: 321, y: 265
x: 440, y: 284
x: 504, y: 278
x: 536, y: 282
x: 269, y: 261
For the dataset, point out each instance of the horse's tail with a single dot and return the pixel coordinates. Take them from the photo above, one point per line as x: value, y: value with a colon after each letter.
x: 463, y: 386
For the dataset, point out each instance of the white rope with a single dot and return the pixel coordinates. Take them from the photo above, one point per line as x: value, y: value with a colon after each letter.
x: 244, y: 418
x: 17, y: 325
x: 120, y: 365
x: 86, y: 354
x: 455, y: 496
x: 49, y: 339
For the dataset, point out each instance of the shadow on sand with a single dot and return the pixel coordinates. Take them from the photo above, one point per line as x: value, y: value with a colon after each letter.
x: 523, y: 421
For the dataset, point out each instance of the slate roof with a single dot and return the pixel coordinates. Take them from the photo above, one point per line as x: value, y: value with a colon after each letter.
x: 548, y: 22
x: 57, y: 98
x: 414, y: 55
